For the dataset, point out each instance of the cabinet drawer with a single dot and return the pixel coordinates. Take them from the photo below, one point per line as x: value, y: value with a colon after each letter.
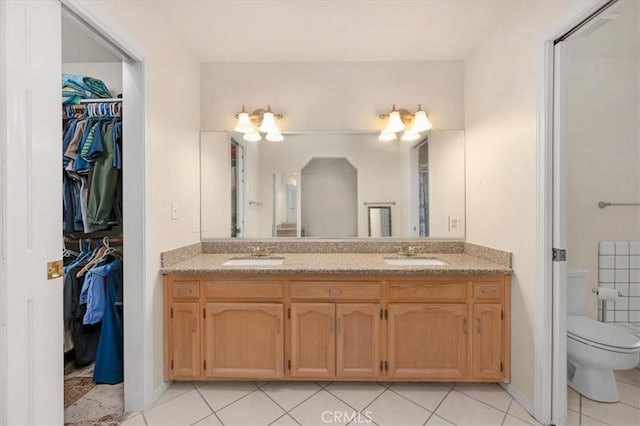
x: 487, y: 291
x: 338, y: 290
x: 244, y: 290
x: 185, y: 290
x: 433, y: 291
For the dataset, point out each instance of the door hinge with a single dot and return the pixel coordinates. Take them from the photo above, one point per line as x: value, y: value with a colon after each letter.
x: 205, y: 365
x: 204, y: 312
x: 386, y: 366
x: 386, y: 314
x: 381, y: 365
x: 289, y: 364
x: 381, y: 315
x: 501, y: 314
x: 289, y: 313
x: 501, y: 366
x: 171, y: 312
x: 559, y: 255
x: 172, y: 364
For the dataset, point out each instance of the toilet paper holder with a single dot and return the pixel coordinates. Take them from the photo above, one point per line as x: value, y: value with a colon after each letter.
x: 602, y: 315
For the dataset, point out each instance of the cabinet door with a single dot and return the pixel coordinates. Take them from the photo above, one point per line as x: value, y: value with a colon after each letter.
x: 185, y: 340
x: 358, y: 340
x: 313, y: 340
x: 244, y: 340
x: 487, y: 341
x: 427, y: 341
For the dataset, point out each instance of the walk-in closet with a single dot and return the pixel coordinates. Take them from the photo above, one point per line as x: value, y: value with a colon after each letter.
x: 92, y: 221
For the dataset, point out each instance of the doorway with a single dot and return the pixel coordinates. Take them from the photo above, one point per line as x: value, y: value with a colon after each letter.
x: 594, y: 159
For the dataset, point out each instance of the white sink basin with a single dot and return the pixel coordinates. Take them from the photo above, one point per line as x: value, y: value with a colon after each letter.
x: 413, y: 261
x: 257, y: 261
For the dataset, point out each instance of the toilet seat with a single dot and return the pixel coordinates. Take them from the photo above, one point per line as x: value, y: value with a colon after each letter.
x: 601, y: 335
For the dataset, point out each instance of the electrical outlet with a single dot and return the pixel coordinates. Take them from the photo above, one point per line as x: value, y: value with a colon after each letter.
x: 454, y: 223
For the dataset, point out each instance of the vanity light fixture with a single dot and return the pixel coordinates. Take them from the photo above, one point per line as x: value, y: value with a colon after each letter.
x: 400, y: 120
x: 260, y: 120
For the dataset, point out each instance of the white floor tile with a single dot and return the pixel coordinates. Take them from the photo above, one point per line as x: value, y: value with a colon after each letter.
x: 629, y: 394
x: 518, y: 411
x: 285, y: 420
x: 588, y: 421
x: 254, y: 409
x: 573, y: 400
x: 357, y: 394
x: 185, y: 409
x: 289, y: 394
x: 323, y: 384
x: 615, y: 414
x: 176, y: 389
x: 221, y: 394
x: 390, y: 409
x: 322, y: 408
x: 629, y: 376
x: 573, y: 418
x: 510, y: 420
x: 438, y: 421
x: 463, y: 410
x: 427, y: 395
x: 135, y: 420
x: 489, y: 393
x: 212, y: 420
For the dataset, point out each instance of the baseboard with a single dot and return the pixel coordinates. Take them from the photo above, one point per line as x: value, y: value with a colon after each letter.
x: 519, y: 397
x: 157, y: 393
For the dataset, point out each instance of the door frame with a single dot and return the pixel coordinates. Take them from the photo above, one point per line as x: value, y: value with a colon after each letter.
x: 138, y: 327
x: 550, y: 380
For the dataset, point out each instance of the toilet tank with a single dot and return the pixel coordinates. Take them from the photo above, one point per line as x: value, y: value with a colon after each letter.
x: 576, y: 290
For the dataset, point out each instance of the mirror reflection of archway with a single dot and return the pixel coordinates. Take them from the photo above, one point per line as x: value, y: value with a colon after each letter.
x: 329, y: 198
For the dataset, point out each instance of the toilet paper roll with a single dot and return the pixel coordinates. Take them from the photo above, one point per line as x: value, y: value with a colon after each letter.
x: 607, y: 294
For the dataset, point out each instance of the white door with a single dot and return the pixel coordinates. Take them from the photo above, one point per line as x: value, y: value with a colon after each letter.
x: 31, y: 372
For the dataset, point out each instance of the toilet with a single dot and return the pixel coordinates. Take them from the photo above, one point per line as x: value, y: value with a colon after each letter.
x: 594, y: 349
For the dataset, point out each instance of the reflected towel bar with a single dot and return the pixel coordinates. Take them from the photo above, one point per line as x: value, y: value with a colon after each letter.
x: 603, y: 204
x: 368, y: 203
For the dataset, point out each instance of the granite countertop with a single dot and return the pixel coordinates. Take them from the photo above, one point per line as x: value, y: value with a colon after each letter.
x: 336, y: 263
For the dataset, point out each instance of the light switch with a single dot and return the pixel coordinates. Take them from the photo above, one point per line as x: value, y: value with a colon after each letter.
x: 174, y: 210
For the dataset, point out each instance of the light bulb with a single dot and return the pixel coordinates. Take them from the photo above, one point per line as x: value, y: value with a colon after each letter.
x: 421, y: 122
x: 268, y: 123
x: 274, y: 137
x: 244, y: 123
x: 252, y: 136
x: 410, y: 136
x: 395, y: 122
x: 386, y: 136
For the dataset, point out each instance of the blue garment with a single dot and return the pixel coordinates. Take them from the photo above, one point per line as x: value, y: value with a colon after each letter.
x: 76, y: 87
x: 90, y: 148
x: 109, y: 366
x: 93, y: 293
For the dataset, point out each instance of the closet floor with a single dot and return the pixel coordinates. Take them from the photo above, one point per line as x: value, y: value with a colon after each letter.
x: 89, y: 404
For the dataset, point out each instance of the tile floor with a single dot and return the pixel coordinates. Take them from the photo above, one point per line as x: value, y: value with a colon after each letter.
x: 402, y: 404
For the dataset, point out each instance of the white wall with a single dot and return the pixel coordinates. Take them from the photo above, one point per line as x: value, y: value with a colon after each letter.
x: 215, y: 165
x: 504, y: 87
x: 109, y: 72
x: 333, y: 96
x: 604, y: 147
x: 172, y: 89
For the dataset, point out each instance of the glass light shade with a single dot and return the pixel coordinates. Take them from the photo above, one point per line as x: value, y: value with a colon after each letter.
x: 395, y: 122
x: 421, y: 122
x: 386, y: 136
x: 252, y: 136
x: 410, y: 136
x: 269, y: 123
x: 274, y: 137
x: 244, y: 123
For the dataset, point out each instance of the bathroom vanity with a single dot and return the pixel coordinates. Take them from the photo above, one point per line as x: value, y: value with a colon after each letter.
x: 337, y: 316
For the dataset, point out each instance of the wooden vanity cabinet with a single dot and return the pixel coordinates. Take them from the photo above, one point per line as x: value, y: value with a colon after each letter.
x: 301, y: 327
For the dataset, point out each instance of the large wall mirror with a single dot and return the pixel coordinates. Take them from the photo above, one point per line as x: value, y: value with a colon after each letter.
x: 333, y: 185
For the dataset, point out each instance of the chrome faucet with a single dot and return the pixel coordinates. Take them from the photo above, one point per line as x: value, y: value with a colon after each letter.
x: 409, y: 251
x: 258, y: 251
